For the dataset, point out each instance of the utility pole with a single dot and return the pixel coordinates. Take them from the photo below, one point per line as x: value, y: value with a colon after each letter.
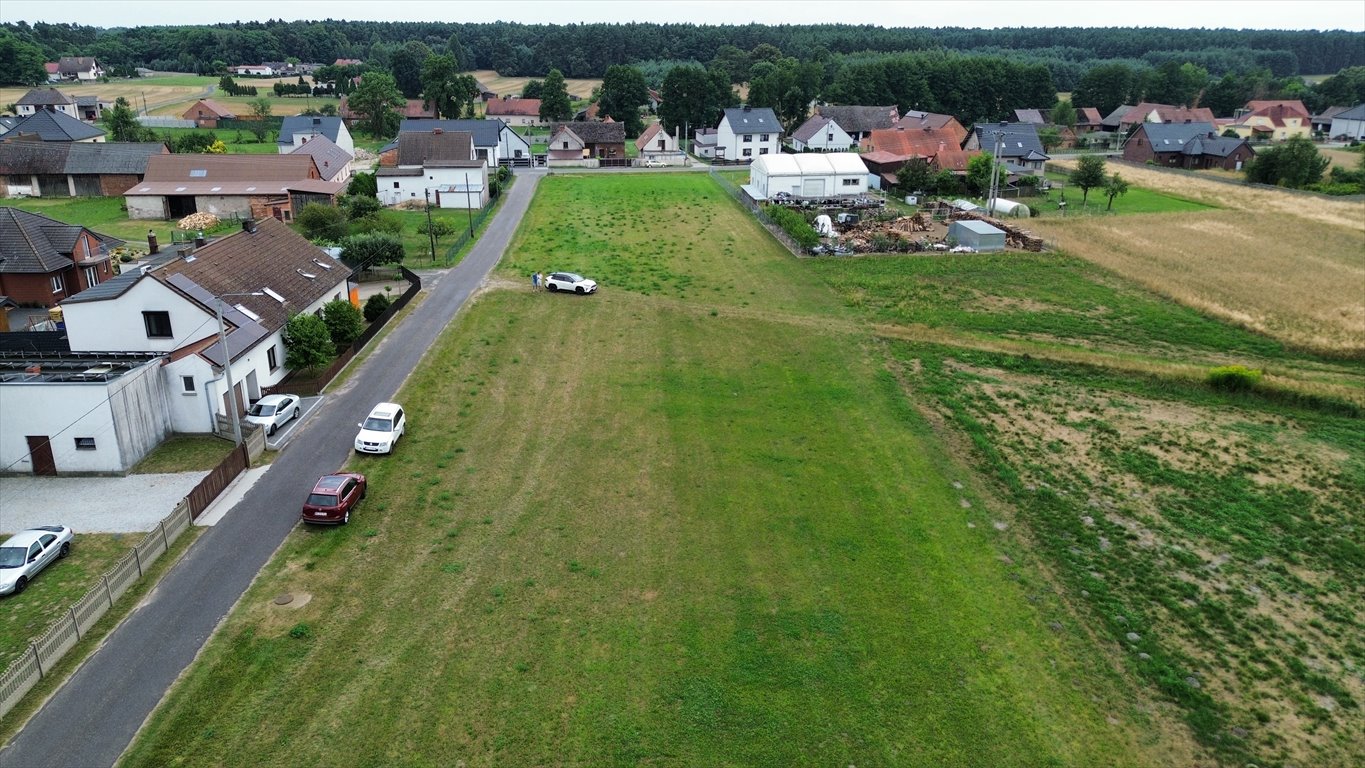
x: 431, y: 235
x: 233, y: 415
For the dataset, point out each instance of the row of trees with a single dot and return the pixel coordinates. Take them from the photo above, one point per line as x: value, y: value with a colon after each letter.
x: 586, y: 50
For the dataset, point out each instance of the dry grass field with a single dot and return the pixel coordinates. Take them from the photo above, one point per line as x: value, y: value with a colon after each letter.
x: 1249, y: 263
x: 511, y: 86
x: 132, y: 90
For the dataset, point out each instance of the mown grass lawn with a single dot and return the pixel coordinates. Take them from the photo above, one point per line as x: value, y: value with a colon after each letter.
x: 105, y: 215
x: 690, y: 520
x: 184, y: 453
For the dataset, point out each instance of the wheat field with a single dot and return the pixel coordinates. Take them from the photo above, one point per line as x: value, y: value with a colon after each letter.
x: 1285, y: 265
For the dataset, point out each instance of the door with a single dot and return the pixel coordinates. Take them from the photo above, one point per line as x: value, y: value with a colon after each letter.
x: 40, y: 450
x: 812, y: 187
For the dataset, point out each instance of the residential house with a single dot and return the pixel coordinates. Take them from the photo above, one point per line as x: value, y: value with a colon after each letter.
x: 52, y: 126
x: 257, y: 277
x: 590, y: 112
x: 1147, y: 112
x: 437, y: 165
x: 46, y: 100
x: 346, y: 62
x: 7, y: 123
x: 206, y: 113
x: 655, y: 140
x: 746, y: 133
x: 1111, y: 121
x: 886, y: 150
x: 655, y: 100
x: 1322, y: 122
x: 882, y: 167
x: 1066, y: 135
x: 229, y: 186
x: 334, y: 163
x: 295, y: 131
x: 494, y: 141
x: 80, y: 413
x: 808, y: 175
x: 43, y: 261
x: 1088, y: 120
x: 257, y: 70
x: 822, y: 134
x: 1349, y: 125
x: 704, y: 142
x: 935, y: 121
x: 860, y: 122
x: 1019, y: 147
x: 515, y: 111
x: 578, y: 141
x: 1272, y: 121
x: 1186, y: 145
x: 73, y: 169
x: 79, y: 68
x: 412, y: 108
x: 54, y: 72
x: 91, y: 108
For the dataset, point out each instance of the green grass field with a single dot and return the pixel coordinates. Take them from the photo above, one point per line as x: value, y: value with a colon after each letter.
x: 1135, y: 200
x: 105, y: 215
x: 691, y: 520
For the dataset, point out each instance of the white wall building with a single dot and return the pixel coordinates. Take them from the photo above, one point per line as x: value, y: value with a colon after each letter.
x: 297, y: 130
x: 439, y: 165
x: 822, y: 134
x: 747, y: 133
x: 826, y: 174
x: 1349, y: 124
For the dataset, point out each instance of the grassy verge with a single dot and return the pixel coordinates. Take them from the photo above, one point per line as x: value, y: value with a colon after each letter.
x: 714, y: 534
x: 184, y: 453
x: 107, y: 549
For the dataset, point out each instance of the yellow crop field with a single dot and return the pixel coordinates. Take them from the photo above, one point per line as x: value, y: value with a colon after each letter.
x: 132, y: 90
x: 1289, y: 266
x: 511, y: 86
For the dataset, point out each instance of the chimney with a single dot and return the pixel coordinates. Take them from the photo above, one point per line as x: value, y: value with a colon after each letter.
x: 152, y: 246
x: 436, y: 131
x: 199, y: 239
x: 249, y: 225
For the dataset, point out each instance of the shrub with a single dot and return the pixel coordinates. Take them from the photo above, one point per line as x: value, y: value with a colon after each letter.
x: 1233, y: 378
x: 371, y: 249
x: 307, y: 343
x: 360, y: 206
x: 386, y: 222
x: 322, y: 222
x: 375, y: 306
x: 795, y: 225
x: 366, y: 184
x: 343, y: 321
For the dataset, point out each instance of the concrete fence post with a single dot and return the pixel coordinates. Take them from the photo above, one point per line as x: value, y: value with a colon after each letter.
x: 75, y: 623
x: 37, y: 659
x: 137, y: 557
x: 108, y: 593
x: 165, y: 542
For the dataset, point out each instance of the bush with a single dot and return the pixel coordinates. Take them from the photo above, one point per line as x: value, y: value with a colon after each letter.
x: 375, y: 306
x: 307, y: 344
x: 794, y: 224
x: 372, y: 249
x: 360, y: 206
x: 366, y: 184
x: 322, y: 222
x: 1233, y: 378
x: 343, y: 321
x: 386, y: 222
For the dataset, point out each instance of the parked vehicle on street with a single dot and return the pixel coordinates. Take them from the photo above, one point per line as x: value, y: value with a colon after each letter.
x: 273, y: 411
x: 653, y: 163
x: 26, y: 553
x: 568, y: 281
x: 379, y: 432
x: 333, y: 497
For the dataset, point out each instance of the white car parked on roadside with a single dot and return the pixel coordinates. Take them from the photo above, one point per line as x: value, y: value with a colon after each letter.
x: 568, y: 281
x: 379, y: 432
x: 654, y: 163
x: 273, y: 411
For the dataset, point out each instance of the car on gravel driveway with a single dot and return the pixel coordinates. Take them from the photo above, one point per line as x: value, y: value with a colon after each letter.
x: 568, y: 281
x: 273, y: 411
x: 26, y: 553
x: 333, y: 497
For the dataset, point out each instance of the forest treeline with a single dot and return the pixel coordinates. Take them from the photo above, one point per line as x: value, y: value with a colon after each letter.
x: 586, y: 50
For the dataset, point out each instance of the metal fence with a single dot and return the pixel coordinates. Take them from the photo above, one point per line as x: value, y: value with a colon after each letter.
x: 474, y: 223
x: 149, y: 121
x: 757, y: 210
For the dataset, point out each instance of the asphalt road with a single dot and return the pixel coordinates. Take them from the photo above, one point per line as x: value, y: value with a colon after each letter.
x: 94, y: 716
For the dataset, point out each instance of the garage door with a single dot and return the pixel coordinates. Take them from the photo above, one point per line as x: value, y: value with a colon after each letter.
x: 812, y: 187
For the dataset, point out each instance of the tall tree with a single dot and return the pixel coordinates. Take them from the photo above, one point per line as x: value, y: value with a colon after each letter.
x: 1063, y: 113
x: 439, y: 86
x: 1107, y: 86
x: 406, y: 65
x: 623, y: 92
x: 1089, y: 174
x: 554, y: 98
x: 733, y: 61
x: 377, y: 101
x: 1295, y: 164
x: 688, y: 95
x: 456, y: 51
x: 307, y: 342
x: 533, y: 89
x: 122, y: 124
x: 1113, y: 187
x: 21, y: 62
x: 1176, y: 83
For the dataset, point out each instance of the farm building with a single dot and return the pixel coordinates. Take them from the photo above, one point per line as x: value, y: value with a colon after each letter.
x: 977, y: 235
x: 827, y: 174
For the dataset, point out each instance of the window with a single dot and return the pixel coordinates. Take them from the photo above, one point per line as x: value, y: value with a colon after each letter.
x: 85, y: 443
x: 661, y: 145
x: 764, y: 137
x: 270, y: 359
x: 748, y: 138
x: 58, y: 284
x: 158, y: 324
x: 763, y: 151
x: 92, y: 277
x: 395, y: 185
x: 829, y: 137
x: 187, y: 384
x: 849, y: 182
x: 748, y: 152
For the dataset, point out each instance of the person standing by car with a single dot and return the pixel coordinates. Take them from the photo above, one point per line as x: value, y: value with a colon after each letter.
x: 535, y: 281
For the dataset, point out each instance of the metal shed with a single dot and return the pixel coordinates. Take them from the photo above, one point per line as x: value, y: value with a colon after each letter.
x: 977, y: 235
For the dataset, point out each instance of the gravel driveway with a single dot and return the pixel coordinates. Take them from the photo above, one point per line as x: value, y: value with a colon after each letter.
x: 92, y: 504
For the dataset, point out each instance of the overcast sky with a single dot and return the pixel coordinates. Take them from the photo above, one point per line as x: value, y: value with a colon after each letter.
x: 1237, y: 14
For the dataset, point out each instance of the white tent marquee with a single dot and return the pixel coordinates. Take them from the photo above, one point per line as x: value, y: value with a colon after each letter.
x: 823, y: 174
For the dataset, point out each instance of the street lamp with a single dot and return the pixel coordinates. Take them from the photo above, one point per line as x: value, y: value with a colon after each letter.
x: 227, y: 364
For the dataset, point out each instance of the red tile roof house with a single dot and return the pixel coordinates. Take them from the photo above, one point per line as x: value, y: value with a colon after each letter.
x: 1147, y: 112
x: 206, y: 113
x: 939, y: 146
x: 230, y: 186
x: 515, y: 111
x: 412, y: 108
x: 43, y: 261
x: 172, y: 310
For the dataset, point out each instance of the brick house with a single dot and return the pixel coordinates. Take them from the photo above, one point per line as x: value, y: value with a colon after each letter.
x: 206, y: 113
x: 1186, y: 145
x: 577, y: 141
x: 43, y: 261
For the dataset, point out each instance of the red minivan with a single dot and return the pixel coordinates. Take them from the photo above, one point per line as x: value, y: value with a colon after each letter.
x: 333, y: 497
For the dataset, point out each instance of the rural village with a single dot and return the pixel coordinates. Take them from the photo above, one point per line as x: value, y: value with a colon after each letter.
x: 745, y: 395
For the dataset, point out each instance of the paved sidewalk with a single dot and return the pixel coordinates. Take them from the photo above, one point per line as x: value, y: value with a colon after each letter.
x: 93, y: 504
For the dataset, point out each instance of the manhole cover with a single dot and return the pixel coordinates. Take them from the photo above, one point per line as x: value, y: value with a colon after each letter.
x: 285, y: 599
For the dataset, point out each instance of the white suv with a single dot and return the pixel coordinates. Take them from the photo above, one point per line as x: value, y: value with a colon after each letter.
x: 379, y: 432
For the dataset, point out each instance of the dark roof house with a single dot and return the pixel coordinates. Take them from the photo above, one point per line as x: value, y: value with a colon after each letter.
x: 54, y: 126
x: 43, y: 261
x: 859, y: 121
x: 332, y: 161
x: 1186, y: 145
